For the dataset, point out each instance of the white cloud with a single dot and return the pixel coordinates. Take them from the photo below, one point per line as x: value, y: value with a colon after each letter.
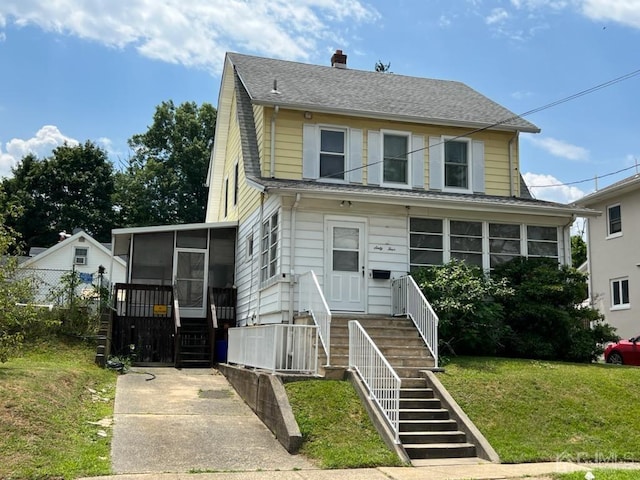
x: 521, y: 95
x: 198, y: 32
x: 497, y: 15
x: 626, y: 12
x: 560, y: 148
x: 444, y: 21
x: 547, y: 187
x: 41, y: 145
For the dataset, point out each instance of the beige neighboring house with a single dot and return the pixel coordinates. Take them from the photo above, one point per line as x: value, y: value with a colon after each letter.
x: 79, y: 252
x: 613, y: 256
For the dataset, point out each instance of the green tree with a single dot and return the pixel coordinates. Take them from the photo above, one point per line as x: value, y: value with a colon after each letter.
x: 466, y: 301
x: 578, y: 250
x: 72, y: 188
x: 164, y: 182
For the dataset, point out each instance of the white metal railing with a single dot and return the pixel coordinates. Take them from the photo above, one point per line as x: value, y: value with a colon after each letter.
x: 381, y: 380
x: 407, y: 299
x: 278, y: 347
x: 311, y: 299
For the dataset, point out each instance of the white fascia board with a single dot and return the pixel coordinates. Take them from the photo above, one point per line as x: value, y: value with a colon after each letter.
x: 173, y: 228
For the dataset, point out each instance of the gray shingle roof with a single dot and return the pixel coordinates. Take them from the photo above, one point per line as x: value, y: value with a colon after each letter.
x: 247, y: 126
x: 382, y: 95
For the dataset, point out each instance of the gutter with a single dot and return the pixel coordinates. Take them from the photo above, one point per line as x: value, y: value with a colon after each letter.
x: 292, y: 251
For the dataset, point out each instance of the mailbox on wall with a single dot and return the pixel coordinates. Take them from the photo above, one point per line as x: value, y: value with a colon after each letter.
x: 381, y: 274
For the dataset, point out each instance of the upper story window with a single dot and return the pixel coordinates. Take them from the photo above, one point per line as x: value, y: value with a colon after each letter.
x: 80, y: 256
x: 457, y: 165
x: 614, y: 220
x: 395, y: 151
x: 332, y: 153
x: 236, y: 186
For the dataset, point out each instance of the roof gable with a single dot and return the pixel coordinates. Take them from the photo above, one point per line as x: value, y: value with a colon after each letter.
x: 371, y: 94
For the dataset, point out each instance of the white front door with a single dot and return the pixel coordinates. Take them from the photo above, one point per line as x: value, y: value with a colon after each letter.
x: 190, y: 269
x: 345, y: 278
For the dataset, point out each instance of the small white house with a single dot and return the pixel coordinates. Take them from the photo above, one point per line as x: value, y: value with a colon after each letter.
x: 80, y: 253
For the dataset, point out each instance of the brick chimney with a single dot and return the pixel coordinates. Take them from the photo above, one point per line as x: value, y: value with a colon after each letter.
x: 339, y: 59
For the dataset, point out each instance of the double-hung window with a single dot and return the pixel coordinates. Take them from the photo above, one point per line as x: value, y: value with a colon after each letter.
x: 614, y: 220
x: 466, y: 241
x: 542, y: 241
x: 80, y: 255
x: 426, y: 242
x: 457, y: 164
x: 504, y: 243
x: 620, y: 293
x: 395, y: 153
x: 332, y: 153
x: 269, y: 266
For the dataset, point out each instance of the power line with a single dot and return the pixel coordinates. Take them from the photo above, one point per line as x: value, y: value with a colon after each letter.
x: 555, y: 103
x: 586, y: 180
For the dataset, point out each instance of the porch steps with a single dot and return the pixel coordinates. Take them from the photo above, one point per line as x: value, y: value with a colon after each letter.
x: 195, y: 344
x: 427, y: 430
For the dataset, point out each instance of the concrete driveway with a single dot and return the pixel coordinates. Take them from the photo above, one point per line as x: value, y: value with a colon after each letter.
x: 189, y: 420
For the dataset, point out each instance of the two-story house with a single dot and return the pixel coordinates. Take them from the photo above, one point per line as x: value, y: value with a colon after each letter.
x: 362, y: 177
x: 612, y: 253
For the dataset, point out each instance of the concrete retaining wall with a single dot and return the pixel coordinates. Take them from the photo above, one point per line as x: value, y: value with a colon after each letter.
x: 266, y: 396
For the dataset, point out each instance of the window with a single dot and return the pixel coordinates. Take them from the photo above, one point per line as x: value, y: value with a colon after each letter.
x: 504, y: 243
x: 332, y: 154
x: 395, y: 153
x: 542, y: 241
x: 426, y: 242
x: 235, y: 185
x: 249, y: 250
x: 456, y: 164
x: 80, y: 256
x: 466, y: 241
x: 226, y: 196
x: 614, y: 220
x: 269, y: 265
x: 620, y: 293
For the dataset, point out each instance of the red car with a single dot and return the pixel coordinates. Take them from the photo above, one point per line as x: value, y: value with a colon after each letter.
x: 625, y: 352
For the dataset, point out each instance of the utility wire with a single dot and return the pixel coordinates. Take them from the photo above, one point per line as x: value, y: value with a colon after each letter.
x: 555, y: 103
x: 586, y: 180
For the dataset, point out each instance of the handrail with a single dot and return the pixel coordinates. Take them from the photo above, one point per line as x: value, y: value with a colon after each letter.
x: 408, y: 299
x: 311, y: 299
x: 377, y: 374
x: 177, y: 327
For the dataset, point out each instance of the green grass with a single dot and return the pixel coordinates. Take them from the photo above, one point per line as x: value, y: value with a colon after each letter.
x: 600, y: 474
x: 534, y: 411
x: 45, y: 408
x: 336, y: 429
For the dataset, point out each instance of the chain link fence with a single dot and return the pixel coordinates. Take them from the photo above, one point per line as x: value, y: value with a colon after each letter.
x: 57, y: 286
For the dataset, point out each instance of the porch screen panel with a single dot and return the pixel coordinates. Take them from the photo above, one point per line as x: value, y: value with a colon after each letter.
x: 504, y: 243
x: 425, y: 242
x: 152, y: 259
x: 466, y: 241
x: 222, y: 247
x: 191, y: 239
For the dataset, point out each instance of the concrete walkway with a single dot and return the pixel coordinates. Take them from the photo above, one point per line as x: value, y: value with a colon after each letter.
x: 191, y: 425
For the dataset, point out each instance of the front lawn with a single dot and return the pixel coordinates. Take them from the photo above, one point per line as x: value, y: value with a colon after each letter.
x: 536, y: 411
x: 48, y: 399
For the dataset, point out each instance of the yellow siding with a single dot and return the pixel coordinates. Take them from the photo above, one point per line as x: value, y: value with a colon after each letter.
x: 288, y: 151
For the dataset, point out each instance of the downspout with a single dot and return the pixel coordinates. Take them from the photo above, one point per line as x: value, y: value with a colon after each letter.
x: 292, y: 251
x: 272, y: 168
x: 511, y: 189
x: 259, y: 289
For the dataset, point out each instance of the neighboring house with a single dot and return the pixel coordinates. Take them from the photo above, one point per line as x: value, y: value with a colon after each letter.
x: 612, y: 252
x: 78, y: 252
x: 362, y: 177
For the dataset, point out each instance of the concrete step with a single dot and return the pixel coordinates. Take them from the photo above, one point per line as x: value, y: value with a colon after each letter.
x: 412, y: 382
x: 416, y: 393
x: 419, y: 403
x: 429, y: 437
x: 428, y: 425
x: 440, y: 450
x: 422, y: 362
x: 424, y: 414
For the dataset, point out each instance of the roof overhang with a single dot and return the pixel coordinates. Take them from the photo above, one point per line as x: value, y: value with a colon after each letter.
x: 613, y: 191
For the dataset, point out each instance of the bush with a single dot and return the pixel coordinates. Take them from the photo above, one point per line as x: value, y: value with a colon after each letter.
x: 469, y: 307
x: 77, y: 313
x: 544, y: 318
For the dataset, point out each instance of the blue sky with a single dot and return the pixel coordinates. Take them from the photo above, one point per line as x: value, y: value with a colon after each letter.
x: 75, y: 70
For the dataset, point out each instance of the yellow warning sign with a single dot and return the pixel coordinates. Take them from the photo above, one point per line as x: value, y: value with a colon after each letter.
x: 159, y: 309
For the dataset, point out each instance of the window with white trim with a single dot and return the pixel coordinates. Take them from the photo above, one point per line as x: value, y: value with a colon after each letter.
x: 332, y: 153
x: 457, y: 164
x: 620, y: 293
x: 226, y: 196
x: 236, y: 187
x: 269, y: 266
x: 80, y: 255
x: 504, y: 243
x: 614, y: 220
x: 466, y: 241
x: 426, y: 242
x: 395, y: 158
x: 249, y: 247
x: 542, y: 241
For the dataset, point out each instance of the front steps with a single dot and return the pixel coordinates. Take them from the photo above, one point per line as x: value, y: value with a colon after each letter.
x: 427, y: 430
x: 195, y: 344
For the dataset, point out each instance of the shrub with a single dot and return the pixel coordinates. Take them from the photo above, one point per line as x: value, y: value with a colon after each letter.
x: 468, y: 305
